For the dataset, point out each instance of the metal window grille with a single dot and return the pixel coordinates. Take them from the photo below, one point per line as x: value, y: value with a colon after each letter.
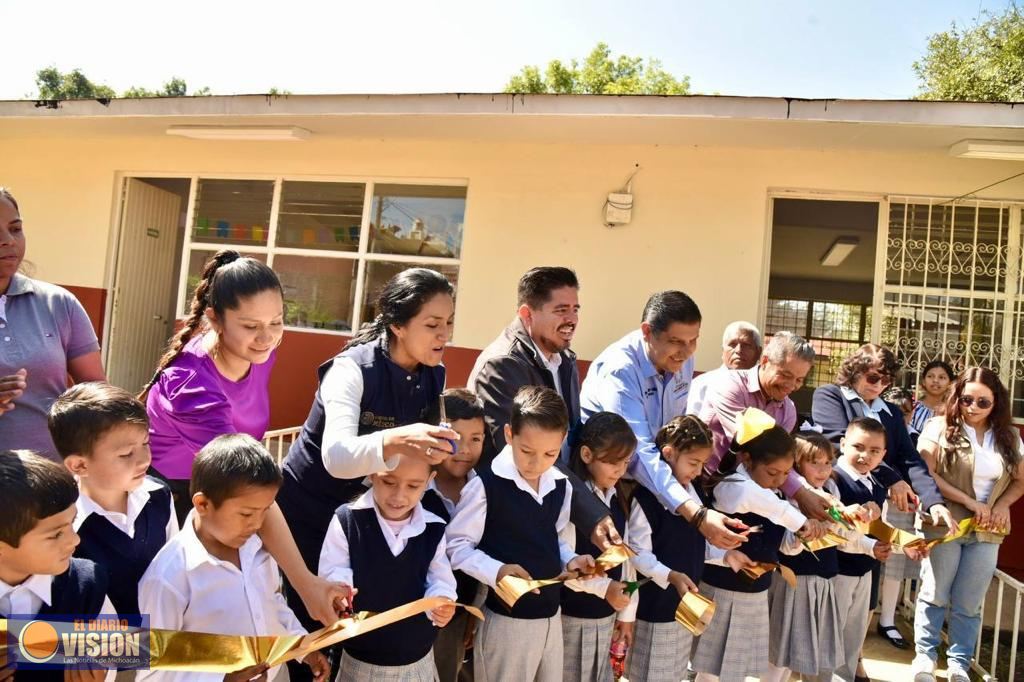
x: 834, y: 329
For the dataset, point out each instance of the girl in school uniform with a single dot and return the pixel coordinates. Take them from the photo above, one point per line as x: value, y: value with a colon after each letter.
x: 671, y: 552
x: 735, y: 644
x: 598, y: 610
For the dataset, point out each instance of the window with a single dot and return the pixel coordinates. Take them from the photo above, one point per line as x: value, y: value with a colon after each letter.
x: 834, y: 330
x: 333, y: 244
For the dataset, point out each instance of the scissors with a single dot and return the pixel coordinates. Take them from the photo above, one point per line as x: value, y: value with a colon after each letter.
x: 445, y: 424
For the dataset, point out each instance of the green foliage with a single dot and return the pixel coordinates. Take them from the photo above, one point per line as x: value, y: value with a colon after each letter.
x: 53, y: 84
x: 983, y: 62
x: 600, y: 74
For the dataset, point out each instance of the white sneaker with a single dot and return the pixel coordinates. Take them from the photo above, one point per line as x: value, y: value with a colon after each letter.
x: 954, y: 673
x: 923, y: 669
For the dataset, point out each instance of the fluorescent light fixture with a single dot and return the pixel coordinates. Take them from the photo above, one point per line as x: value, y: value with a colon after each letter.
x: 250, y: 133
x: 840, y: 249
x: 1004, y: 150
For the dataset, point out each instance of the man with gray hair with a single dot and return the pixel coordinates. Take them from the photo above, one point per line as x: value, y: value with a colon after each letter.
x: 782, y: 369
x: 741, y: 349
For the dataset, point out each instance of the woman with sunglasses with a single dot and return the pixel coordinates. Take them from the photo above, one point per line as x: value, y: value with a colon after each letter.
x: 975, y: 454
x: 861, y: 379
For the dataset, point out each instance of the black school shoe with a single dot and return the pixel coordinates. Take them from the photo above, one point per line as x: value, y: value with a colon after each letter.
x: 897, y: 639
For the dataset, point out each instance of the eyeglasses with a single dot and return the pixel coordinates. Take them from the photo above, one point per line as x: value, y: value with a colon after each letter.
x: 982, y: 403
x: 874, y: 378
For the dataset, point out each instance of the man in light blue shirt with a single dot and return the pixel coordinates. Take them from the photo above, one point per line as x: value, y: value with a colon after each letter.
x: 645, y: 377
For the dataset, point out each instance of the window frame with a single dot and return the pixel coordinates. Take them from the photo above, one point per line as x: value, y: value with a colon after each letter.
x: 363, y: 254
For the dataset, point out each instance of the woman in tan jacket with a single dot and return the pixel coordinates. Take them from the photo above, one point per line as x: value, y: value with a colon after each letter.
x: 975, y: 454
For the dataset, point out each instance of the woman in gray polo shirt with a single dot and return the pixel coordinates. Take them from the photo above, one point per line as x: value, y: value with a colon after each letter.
x: 45, y: 335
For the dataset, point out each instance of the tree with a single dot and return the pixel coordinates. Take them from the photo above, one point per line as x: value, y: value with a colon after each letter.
x: 53, y: 84
x: 600, y: 74
x: 176, y: 87
x: 983, y: 62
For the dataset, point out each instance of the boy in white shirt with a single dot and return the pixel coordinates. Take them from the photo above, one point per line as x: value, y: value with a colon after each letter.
x: 214, y: 576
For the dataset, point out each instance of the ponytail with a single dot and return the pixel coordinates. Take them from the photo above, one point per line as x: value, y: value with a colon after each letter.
x: 226, y: 278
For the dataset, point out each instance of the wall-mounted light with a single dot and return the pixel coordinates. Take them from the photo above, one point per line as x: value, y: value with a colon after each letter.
x: 1004, y: 150
x: 840, y: 249
x: 249, y: 133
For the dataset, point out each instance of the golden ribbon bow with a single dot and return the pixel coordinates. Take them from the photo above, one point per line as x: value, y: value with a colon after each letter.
x: 695, y: 612
x: 511, y: 588
x: 751, y: 423
x: 759, y: 568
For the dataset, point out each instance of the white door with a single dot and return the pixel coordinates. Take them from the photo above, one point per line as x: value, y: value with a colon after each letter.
x: 140, y: 325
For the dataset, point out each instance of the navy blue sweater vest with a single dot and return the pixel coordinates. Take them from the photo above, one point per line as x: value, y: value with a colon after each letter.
x: 465, y: 585
x: 385, y: 581
x: 125, y: 559
x: 676, y: 544
x: 855, y: 492
x: 391, y: 397
x: 520, y: 531
x: 763, y: 546
x: 824, y: 563
x: 582, y: 604
x: 80, y: 590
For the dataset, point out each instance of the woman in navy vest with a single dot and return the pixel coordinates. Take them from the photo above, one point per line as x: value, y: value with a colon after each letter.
x: 369, y: 408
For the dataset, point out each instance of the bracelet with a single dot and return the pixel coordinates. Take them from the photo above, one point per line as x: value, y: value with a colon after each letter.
x: 697, y: 520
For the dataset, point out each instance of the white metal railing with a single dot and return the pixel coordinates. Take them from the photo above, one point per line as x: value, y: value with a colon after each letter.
x: 999, y: 625
x: 279, y: 440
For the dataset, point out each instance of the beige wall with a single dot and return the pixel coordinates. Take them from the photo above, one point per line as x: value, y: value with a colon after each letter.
x: 699, y: 220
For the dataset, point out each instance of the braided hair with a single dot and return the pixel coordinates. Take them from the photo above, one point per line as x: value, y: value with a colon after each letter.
x: 400, y: 300
x: 226, y: 279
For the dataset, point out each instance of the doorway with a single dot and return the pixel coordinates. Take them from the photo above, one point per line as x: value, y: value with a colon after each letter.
x: 152, y: 230
x: 821, y: 280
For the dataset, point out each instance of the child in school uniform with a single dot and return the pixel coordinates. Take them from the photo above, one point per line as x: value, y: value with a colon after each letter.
x: 391, y: 551
x: 805, y: 637
x: 862, y: 450
x: 508, y: 523
x: 214, y: 576
x: 670, y: 551
x: 735, y: 644
x: 465, y: 413
x: 124, y: 517
x: 596, y: 612
x: 38, y: 575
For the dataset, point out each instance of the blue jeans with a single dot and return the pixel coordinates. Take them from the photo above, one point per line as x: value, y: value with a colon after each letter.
x: 957, y: 576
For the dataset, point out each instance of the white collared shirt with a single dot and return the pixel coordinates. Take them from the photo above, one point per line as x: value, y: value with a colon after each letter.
x: 854, y: 474
x: 336, y: 561
x: 125, y: 523
x: 739, y: 494
x: 551, y: 365
x: 449, y: 505
x: 873, y: 409
x: 988, y: 463
x: 187, y: 588
x: 466, y: 528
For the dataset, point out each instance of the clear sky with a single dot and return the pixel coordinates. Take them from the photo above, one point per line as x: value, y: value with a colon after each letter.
x: 828, y: 48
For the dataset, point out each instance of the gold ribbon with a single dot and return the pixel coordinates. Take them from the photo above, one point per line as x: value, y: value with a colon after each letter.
x: 511, y: 588
x: 830, y: 539
x: 759, y: 568
x: 695, y: 612
x: 751, y: 423
x: 904, y: 539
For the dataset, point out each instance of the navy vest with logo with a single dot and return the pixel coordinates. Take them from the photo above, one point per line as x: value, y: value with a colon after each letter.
x: 391, y: 397
x: 763, y: 546
x: 80, y: 590
x: 465, y: 585
x: 520, y: 531
x: 676, y: 544
x: 385, y: 581
x: 125, y: 559
x: 583, y: 604
x: 855, y: 492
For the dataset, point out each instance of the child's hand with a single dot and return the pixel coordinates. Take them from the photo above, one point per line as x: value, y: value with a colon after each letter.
x: 442, y: 614
x: 682, y: 582
x: 584, y: 566
x: 902, y: 495
x: 516, y: 570
x: 737, y: 560
x: 882, y: 550
x: 812, y: 530
x: 623, y: 631
x: 317, y: 662
x: 865, y: 513
x: 256, y: 673
x: 616, y: 595
x: 916, y: 553
x: 343, y: 600
x: 470, y: 634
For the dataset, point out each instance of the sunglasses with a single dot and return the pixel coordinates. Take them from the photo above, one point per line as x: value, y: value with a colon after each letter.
x: 982, y: 403
x: 874, y: 378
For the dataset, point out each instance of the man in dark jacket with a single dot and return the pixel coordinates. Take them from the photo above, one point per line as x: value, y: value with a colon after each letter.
x: 534, y: 351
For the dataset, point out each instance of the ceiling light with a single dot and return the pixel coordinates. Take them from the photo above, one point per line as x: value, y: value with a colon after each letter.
x: 249, y: 133
x: 1005, y: 150
x: 840, y: 249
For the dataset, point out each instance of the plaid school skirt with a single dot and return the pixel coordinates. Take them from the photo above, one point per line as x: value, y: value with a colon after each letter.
x: 660, y: 652
x: 585, y: 645
x: 354, y: 670
x: 735, y: 644
x: 804, y: 625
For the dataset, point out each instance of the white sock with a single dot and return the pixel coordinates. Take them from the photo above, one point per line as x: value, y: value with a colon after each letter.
x: 889, y: 596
